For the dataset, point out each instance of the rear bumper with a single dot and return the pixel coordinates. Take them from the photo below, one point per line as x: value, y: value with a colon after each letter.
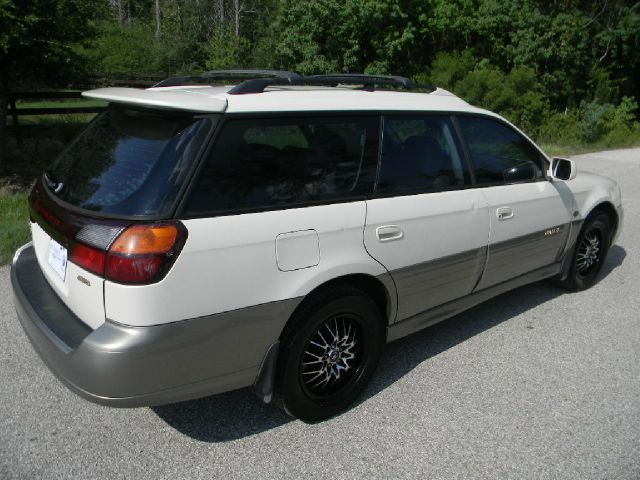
x: 124, y: 366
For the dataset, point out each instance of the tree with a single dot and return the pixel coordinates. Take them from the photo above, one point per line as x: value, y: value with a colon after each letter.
x: 37, y: 39
x: 158, y: 20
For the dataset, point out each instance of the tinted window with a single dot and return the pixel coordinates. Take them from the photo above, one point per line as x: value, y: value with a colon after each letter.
x: 128, y: 162
x: 499, y: 153
x: 420, y: 152
x: 273, y: 162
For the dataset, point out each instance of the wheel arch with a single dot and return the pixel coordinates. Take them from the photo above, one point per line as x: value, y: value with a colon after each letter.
x: 381, y: 289
x: 610, y: 211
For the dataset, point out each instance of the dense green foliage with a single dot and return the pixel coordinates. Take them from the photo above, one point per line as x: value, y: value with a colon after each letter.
x: 565, y: 71
x: 40, y: 44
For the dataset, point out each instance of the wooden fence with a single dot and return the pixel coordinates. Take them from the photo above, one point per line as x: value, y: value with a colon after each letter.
x: 15, y: 112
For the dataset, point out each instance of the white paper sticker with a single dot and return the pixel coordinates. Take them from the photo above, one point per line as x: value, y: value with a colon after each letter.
x: 58, y: 258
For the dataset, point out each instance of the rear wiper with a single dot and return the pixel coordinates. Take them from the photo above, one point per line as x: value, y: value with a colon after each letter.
x: 53, y: 185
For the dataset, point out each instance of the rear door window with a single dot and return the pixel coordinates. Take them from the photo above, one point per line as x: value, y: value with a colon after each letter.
x: 128, y: 162
x: 499, y: 153
x: 276, y: 162
x: 421, y: 153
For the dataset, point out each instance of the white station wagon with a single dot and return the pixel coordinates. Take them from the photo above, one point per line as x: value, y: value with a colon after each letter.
x: 276, y: 231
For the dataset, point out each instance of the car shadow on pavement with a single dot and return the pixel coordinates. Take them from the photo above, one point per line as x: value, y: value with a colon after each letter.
x: 233, y: 415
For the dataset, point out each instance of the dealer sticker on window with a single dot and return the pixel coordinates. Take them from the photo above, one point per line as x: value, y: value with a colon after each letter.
x: 58, y: 259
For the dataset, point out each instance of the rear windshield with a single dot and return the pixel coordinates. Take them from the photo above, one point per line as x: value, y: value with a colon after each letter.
x: 128, y: 162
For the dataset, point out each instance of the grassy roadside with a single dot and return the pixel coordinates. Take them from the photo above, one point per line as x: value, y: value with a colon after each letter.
x: 14, y: 224
x: 554, y: 150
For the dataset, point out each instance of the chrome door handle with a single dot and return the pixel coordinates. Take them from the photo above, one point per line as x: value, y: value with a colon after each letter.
x: 504, y: 213
x: 387, y: 233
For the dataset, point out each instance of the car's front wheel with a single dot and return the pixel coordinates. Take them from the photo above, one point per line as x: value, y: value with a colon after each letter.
x: 590, y: 252
x: 329, y: 351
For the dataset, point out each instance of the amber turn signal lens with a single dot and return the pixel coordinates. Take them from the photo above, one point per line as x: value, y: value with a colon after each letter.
x: 145, y: 239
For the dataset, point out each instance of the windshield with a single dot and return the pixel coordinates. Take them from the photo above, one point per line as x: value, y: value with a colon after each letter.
x: 128, y: 162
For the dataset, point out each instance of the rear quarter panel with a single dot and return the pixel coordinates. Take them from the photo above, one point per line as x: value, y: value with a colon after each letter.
x: 230, y: 262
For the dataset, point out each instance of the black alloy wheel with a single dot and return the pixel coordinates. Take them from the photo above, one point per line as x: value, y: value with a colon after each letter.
x: 589, y: 253
x: 328, y: 352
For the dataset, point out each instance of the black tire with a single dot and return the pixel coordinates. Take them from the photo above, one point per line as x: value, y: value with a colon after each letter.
x: 596, y: 232
x: 335, y: 371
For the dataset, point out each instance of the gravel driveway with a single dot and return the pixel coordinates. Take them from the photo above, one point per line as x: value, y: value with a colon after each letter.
x: 536, y: 383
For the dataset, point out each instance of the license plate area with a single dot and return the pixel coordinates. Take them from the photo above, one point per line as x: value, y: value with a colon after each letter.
x: 58, y: 259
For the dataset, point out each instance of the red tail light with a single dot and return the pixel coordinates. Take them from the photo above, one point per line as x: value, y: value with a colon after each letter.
x: 141, y: 254
x: 89, y: 258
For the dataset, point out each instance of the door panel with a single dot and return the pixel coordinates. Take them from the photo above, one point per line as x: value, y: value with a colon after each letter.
x: 534, y: 234
x: 529, y: 216
x: 441, y: 252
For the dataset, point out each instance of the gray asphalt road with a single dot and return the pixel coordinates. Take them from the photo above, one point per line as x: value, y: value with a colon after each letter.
x: 536, y: 383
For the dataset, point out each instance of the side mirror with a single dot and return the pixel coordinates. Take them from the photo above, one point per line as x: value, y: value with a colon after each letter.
x: 520, y: 173
x: 562, y: 169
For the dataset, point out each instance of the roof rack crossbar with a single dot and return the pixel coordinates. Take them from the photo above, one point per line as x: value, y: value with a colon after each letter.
x: 246, y: 75
x: 255, y: 81
x: 361, y: 79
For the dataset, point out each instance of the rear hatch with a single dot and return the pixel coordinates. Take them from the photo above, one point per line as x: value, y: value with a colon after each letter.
x: 128, y: 167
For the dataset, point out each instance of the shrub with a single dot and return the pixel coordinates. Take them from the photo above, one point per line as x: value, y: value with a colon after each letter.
x: 518, y: 95
x: 608, y: 122
x: 131, y: 50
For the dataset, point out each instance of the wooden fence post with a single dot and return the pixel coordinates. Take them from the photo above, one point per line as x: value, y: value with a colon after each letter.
x: 14, y: 116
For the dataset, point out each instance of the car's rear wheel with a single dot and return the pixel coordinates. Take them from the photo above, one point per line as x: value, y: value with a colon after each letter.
x: 329, y: 351
x: 590, y: 252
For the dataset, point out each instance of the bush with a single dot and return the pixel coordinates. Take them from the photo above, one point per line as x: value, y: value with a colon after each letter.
x: 517, y: 95
x: 131, y: 50
x: 594, y: 123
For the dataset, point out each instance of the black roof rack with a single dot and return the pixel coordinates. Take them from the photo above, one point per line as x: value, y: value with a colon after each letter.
x: 253, y: 76
x: 361, y: 79
x: 255, y: 81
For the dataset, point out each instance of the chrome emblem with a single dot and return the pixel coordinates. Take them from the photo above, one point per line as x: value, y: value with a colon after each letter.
x: 81, y: 279
x: 552, y: 231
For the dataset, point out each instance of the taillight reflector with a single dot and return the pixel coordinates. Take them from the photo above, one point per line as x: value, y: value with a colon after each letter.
x: 88, y: 258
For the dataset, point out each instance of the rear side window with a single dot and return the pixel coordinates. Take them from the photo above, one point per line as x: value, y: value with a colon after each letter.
x: 421, y: 153
x: 258, y: 163
x: 499, y: 153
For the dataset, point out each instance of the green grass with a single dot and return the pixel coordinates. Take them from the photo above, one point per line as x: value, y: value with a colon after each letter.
x: 14, y: 224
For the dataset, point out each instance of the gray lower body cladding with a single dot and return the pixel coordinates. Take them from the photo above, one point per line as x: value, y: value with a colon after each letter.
x: 126, y: 366
x: 523, y: 254
x: 426, y: 285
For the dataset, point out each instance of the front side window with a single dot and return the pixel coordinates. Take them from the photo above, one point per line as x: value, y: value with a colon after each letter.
x: 275, y: 162
x: 499, y: 153
x: 420, y: 153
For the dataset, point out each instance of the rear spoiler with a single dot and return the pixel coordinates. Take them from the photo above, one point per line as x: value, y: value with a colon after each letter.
x: 188, y: 100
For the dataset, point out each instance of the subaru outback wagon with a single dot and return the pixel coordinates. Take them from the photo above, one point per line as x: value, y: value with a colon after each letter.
x: 275, y: 231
